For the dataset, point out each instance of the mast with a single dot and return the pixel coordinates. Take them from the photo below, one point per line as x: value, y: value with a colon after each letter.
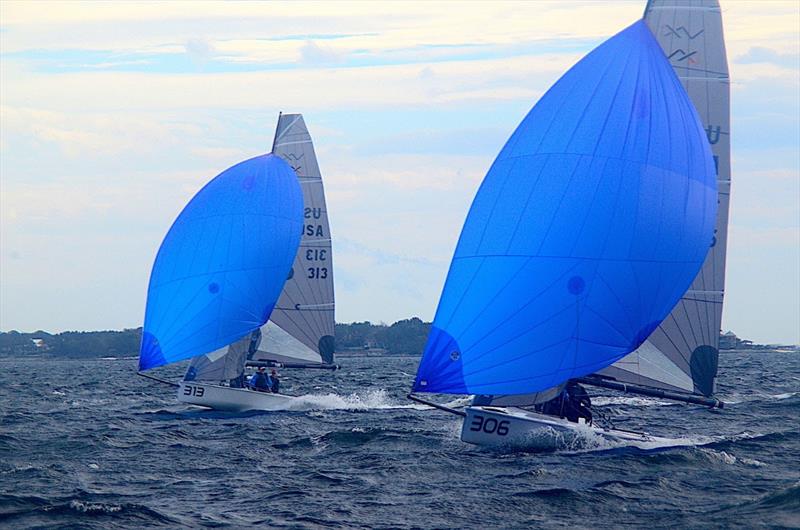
x: 277, y: 128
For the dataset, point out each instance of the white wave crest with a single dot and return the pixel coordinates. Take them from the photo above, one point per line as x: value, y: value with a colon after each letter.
x: 630, y: 401
x: 93, y: 507
x: 729, y: 459
x: 369, y: 400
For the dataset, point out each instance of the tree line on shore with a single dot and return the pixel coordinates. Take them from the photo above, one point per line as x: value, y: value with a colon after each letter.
x: 403, y: 337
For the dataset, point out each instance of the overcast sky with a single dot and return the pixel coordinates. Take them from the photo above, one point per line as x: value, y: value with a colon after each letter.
x: 114, y: 115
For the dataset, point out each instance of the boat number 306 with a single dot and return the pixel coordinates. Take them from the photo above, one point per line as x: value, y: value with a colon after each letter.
x: 489, y: 425
x: 196, y: 391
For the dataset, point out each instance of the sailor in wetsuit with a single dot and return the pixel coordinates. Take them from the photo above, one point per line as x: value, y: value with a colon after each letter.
x: 261, y: 381
x: 276, y: 383
x: 572, y: 403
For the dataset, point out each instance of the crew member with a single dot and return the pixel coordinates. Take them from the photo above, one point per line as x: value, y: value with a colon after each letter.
x: 261, y: 381
x: 572, y: 403
x: 276, y: 383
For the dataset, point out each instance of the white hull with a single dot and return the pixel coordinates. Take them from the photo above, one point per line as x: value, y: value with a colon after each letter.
x: 515, y: 427
x: 231, y: 399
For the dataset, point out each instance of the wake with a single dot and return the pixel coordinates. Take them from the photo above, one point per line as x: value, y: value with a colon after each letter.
x: 369, y: 400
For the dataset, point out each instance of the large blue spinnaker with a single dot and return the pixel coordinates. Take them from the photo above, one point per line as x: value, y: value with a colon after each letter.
x: 588, y: 228
x: 223, y: 263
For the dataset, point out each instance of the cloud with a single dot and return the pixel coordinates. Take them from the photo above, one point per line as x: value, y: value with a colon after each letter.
x: 313, y: 54
x: 113, y: 118
x: 760, y: 54
x: 200, y: 50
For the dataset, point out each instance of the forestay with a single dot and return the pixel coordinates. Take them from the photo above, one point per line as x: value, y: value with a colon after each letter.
x: 221, y: 266
x: 682, y: 352
x: 589, y: 226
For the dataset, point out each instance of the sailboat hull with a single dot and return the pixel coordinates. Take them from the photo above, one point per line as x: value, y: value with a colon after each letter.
x: 515, y: 427
x: 231, y: 399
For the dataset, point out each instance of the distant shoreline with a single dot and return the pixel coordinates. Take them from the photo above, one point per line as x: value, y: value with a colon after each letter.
x: 356, y: 339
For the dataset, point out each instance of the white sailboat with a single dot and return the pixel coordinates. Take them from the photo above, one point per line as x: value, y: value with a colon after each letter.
x: 299, y: 332
x: 673, y: 356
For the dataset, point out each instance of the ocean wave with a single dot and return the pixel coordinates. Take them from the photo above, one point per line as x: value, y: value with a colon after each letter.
x: 368, y: 400
x: 602, y: 401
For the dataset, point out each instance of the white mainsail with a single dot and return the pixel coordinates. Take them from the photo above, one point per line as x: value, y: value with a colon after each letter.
x: 682, y: 353
x: 301, y: 326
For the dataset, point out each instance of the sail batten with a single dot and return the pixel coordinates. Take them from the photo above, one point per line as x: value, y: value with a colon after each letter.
x: 588, y: 226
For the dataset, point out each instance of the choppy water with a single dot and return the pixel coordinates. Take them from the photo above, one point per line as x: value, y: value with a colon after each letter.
x: 88, y: 444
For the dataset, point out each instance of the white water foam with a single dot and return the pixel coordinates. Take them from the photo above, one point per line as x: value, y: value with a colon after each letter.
x: 730, y: 459
x: 369, y: 400
x: 631, y: 401
x: 94, y: 507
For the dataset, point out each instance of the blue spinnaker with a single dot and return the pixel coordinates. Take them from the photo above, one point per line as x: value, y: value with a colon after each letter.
x: 588, y: 228
x: 223, y: 263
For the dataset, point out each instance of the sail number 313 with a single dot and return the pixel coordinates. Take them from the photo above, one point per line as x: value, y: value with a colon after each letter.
x: 319, y: 273
x: 197, y: 391
x: 489, y: 425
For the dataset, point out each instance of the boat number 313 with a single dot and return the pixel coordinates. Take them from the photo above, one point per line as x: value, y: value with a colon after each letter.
x: 318, y: 273
x: 197, y: 391
x: 489, y: 425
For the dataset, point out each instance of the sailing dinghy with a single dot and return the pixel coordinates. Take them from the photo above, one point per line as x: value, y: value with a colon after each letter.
x: 294, y: 324
x: 585, y: 238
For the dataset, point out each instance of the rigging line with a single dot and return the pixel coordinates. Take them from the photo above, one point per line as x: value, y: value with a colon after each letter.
x: 158, y: 379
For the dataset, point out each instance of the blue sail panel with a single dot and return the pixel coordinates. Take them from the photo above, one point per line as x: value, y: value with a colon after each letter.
x: 587, y: 229
x: 223, y: 263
